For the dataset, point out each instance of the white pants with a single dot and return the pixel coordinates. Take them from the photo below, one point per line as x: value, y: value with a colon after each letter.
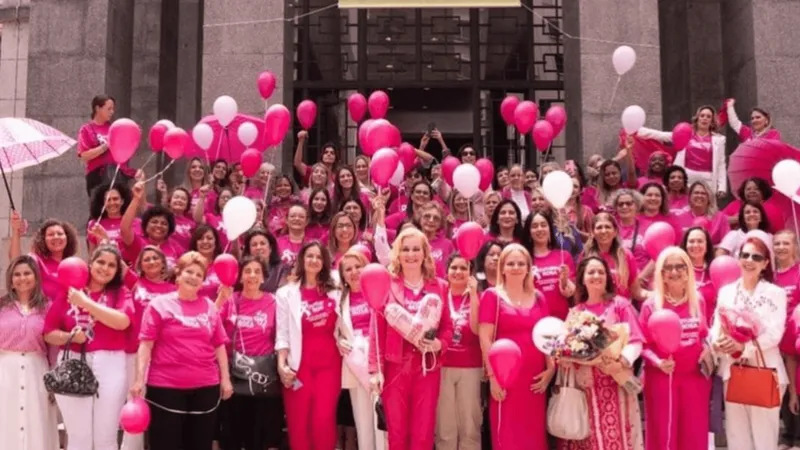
x: 369, y: 437
x: 458, y: 414
x: 131, y: 441
x: 751, y: 427
x: 705, y: 177
x: 92, y: 422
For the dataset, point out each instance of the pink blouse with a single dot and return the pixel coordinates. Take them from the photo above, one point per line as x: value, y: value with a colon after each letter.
x: 20, y: 331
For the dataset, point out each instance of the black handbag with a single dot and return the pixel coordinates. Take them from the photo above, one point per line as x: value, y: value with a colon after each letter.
x: 381, y: 413
x: 72, y: 377
x: 254, y: 376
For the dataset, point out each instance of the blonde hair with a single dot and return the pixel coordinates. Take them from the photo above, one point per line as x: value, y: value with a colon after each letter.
x: 360, y: 258
x: 428, y: 265
x: 792, y: 237
x: 712, y: 197
x: 658, y: 280
x: 191, y: 258
x: 527, y: 283
x: 617, y: 251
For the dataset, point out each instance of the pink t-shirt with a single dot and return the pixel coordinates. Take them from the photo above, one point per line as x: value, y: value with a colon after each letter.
x: 546, y: 280
x: 789, y: 280
x: 360, y: 314
x: 693, y: 332
x: 215, y: 222
x: 143, y: 293
x: 641, y: 181
x: 184, y: 226
x: 678, y: 204
x: 318, y: 323
x: 776, y: 217
x: 171, y: 251
x: 706, y: 290
x: 48, y: 270
x: 288, y: 249
x: 633, y: 272
x: 441, y: 249
x: 700, y: 154
x: 399, y: 205
x: 718, y: 224
x: 276, y: 218
x: 632, y: 237
x: 254, y: 193
x: 64, y: 316
x: 185, y: 336
x: 317, y: 232
x: 91, y: 136
x: 208, y: 205
x: 465, y: 348
x: 250, y: 324
x: 112, y: 230
x: 211, y: 284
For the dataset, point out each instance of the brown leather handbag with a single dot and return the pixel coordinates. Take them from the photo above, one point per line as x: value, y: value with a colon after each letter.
x: 754, y: 385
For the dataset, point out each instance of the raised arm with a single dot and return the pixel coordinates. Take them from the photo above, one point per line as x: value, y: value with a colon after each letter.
x: 733, y: 118
x: 299, y: 165
x: 126, y: 225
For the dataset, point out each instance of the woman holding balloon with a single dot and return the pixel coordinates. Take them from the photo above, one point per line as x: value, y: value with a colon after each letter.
x: 509, y: 311
x: 404, y: 366
x: 93, y: 144
x: 678, y: 362
x: 106, y: 207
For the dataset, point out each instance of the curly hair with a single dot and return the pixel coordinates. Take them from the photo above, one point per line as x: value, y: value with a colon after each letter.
x: 98, y: 199
x: 39, y: 244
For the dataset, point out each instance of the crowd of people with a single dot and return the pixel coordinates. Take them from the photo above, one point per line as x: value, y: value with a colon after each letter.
x: 155, y: 321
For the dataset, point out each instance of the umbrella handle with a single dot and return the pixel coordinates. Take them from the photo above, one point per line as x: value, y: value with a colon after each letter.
x: 8, y: 189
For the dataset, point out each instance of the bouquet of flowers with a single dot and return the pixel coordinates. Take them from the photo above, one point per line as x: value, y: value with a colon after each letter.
x: 739, y: 323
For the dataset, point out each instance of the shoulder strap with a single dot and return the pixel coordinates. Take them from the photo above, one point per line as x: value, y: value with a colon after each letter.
x: 496, y: 318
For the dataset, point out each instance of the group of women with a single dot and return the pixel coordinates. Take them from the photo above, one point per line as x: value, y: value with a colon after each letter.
x: 155, y: 321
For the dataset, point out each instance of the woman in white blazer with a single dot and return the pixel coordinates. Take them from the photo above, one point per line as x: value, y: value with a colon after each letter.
x: 308, y: 320
x: 752, y: 427
x: 704, y: 155
x: 354, y: 337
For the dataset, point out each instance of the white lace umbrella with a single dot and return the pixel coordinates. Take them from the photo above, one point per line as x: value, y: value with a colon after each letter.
x: 26, y: 142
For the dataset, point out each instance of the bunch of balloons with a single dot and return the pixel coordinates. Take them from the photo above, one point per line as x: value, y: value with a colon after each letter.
x: 524, y: 115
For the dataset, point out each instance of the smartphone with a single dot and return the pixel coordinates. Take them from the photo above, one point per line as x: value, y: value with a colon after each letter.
x: 430, y: 334
x: 431, y: 127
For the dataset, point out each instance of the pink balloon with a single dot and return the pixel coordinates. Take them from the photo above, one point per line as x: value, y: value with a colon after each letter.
x: 383, y: 165
x: 227, y: 269
x: 525, y: 115
x: 543, y: 134
x: 134, y: 418
x: 266, y: 84
x: 363, y: 131
x: 681, y: 135
x: 375, y: 280
x: 486, y: 169
x: 356, y: 106
x: 364, y: 250
x: 408, y: 155
x: 307, y: 113
x: 658, y: 236
x: 557, y: 117
x: 123, y: 140
x: 382, y: 134
x: 469, y: 239
x: 724, y: 270
x: 664, y: 327
x: 156, y: 136
x: 449, y: 165
x: 276, y: 124
x: 507, y: 108
x: 175, y: 142
x: 378, y: 104
x: 73, y: 272
x: 251, y: 162
x: 505, y: 357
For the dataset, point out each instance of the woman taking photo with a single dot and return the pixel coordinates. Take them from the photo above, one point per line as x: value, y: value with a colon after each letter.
x: 101, y: 316
x: 678, y: 375
x: 27, y: 417
x: 354, y: 333
x: 752, y: 427
x: 407, y: 374
x: 510, y: 310
x: 183, y: 361
x: 307, y: 317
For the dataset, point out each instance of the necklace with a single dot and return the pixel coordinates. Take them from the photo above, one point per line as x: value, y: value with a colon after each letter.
x: 457, y: 314
x: 414, y: 286
x: 675, y: 301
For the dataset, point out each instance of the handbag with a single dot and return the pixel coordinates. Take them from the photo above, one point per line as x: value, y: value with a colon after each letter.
x: 754, y: 385
x: 568, y: 412
x: 254, y: 376
x: 381, y: 413
x: 72, y: 377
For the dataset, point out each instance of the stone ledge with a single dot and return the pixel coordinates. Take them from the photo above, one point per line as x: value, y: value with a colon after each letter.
x: 8, y: 13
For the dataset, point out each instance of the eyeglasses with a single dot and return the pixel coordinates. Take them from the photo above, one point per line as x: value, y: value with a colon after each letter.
x: 624, y: 204
x: 344, y: 225
x: 674, y: 268
x: 752, y: 256
x: 468, y: 153
x: 425, y: 193
x: 432, y: 217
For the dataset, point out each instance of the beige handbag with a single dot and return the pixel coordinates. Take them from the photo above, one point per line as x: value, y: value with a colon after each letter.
x: 568, y: 412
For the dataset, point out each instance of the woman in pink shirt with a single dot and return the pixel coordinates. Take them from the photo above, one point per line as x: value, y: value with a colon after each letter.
x: 607, y: 244
x: 627, y: 203
x: 283, y: 197
x: 458, y: 414
x: 112, y: 203
x: 205, y: 240
x: 93, y: 145
x: 309, y: 362
x: 506, y: 223
x: 554, y: 267
x: 760, y: 124
x: 678, y: 375
x: 319, y: 179
x: 28, y: 417
x: 52, y: 242
x: 257, y: 186
x: 358, y: 212
x: 354, y: 334
x: 178, y: 205
x: 341, y: 236
x: 249, y: 319
x: 346, y: 187
x: 677, y: 185
x: 99, y: 319
x: 431, y: 219
x: 263, y: 245
x: 461, y: 212
x: 213, y: 217
x: 610, y: 180
x: 787, y: 276
x: 655, y: 208
x: 158, y: 224
x: 183, y: 361
x: 703, y: 212
x: 757, y: 190
x: 197, y: 176
x: 319, y: 214
x: 289, y: 244
x: 406, y: 373
x: 421, y: 193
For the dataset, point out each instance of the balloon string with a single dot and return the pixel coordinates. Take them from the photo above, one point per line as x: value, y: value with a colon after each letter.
x: 499, y: 420
x: 161, y: 172
x: 149, y: 158
x: 110, y: 186
x: 614, y: 91
x: 796, y: 225
x: 669, y: 421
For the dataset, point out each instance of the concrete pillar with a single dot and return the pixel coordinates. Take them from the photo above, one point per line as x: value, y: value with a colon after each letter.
x: 242, y: 38
x: 68, y: 65
x: 593, y: 124
x: 144, y: 72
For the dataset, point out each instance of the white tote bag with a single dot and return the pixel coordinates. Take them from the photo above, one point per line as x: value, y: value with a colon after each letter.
x: 568, y: 412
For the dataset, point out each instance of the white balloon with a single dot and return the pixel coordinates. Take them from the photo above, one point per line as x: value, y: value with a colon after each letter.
x: 239, y: 215
x: 786, y: 176
x: 467, y: 180
x: 557, y: 187
x: 203, y: 135
x: 225, y: 109
x: 398, y: 175
x: 247, y: 133
x: 547, y: 333
x: 167, y: 123
x: 623, y: 59
x: 633, y: 118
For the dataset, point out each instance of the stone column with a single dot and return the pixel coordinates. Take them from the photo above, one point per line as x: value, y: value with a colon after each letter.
x: 593, y: 124
x: 144, y: 73
x: 77, y: 50
x: 242, y: 38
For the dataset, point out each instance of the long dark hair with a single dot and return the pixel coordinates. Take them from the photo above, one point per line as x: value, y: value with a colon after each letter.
x: 581, y: 293
x: 198, y: 234
x: 709, y: 255
x: 116, y: 281
x: 98, y: 199
x: 38, y: 301
x: 98, y: 102
x: 480, y: 262
x: 494, y: 226
x: 325, y: 281
x: 763, y: 224
x: 319, y: 218
x: 527, y: 239
x: 274, y: 254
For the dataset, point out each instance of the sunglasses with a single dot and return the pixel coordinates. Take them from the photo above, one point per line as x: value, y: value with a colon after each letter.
x: 468, y: 153
x: 674, y: 268
x: 752, y: 256
x: 624, y: 204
